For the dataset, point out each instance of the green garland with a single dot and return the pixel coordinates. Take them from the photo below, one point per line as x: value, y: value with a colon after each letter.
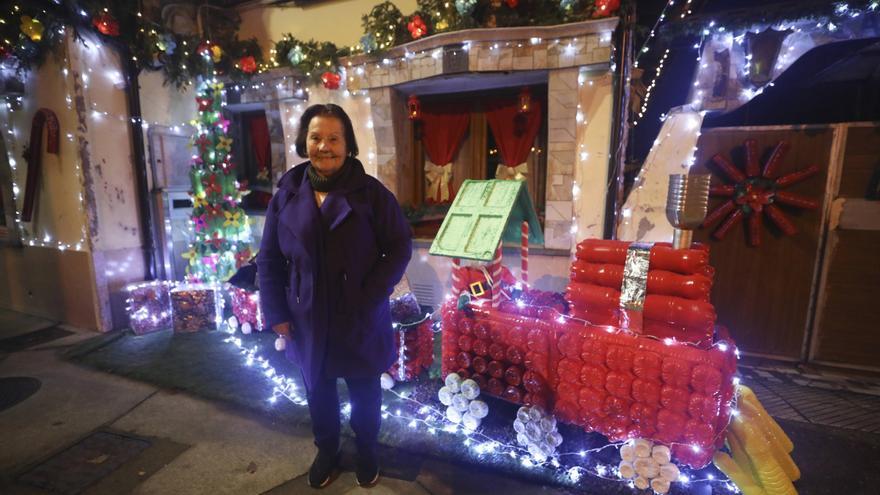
x: 152, y: 47
x: 34, y: 28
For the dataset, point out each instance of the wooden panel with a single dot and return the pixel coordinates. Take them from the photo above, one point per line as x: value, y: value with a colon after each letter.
x: 850, y: 311
x: 847, y: 309
x: 763, y: 293
x: 861, y: 161
x: 55, y: 284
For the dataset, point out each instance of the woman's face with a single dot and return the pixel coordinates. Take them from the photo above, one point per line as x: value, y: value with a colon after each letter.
x: 326, y: 144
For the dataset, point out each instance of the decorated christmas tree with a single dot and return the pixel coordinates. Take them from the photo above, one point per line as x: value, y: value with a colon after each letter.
x: 222, y: 232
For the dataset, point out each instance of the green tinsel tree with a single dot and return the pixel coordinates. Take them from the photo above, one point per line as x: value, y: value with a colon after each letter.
x: 222, y: 231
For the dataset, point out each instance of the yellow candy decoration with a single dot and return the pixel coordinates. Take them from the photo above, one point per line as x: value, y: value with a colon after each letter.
x: 742, y: 479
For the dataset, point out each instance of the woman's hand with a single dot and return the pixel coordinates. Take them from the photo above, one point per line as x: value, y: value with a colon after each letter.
x: 282, y: 329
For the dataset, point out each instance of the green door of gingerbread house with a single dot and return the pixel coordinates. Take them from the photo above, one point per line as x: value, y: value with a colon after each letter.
x: 484, y: 213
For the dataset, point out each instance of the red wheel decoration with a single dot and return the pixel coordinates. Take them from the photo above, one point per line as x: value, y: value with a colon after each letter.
x: 756, y: 192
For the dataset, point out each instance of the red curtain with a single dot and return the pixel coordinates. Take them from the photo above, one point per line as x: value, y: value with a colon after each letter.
x: 443, y: 127
x: 259, y: 130
x: 514, y: 132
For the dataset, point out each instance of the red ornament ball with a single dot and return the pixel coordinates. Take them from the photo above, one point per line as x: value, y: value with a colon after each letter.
x: 106, y: 24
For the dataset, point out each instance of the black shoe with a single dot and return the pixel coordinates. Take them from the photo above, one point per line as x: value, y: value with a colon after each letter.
x: 367, y: 472
x: 322, y: 468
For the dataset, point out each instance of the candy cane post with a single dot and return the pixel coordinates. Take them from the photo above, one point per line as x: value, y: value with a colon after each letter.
x: 524, y: 254
x: 456, y: 276
x: 495, y: 271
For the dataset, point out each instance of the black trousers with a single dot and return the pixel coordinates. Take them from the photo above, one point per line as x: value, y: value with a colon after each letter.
x: 365, y: 397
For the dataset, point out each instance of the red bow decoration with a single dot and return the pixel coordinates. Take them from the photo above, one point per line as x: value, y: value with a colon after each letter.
x: 203, y: 142
x: 204, y: 103
x: 211, y: 185
x: 106, y: 24
x: 216, y: 241
x: 331, y: 80
x: 417, y: 27
x: 242, y: 257
x: 248, y: 64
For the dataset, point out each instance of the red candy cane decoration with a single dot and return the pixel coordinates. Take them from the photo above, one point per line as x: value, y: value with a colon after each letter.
x: 524, y: 254
x: 495, y: 271
x: 456, y: 276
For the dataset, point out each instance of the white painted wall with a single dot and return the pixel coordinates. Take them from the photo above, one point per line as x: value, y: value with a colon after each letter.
x: 644, y: 212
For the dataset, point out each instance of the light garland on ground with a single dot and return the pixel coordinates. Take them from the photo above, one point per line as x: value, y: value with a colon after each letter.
x: 415, y: 414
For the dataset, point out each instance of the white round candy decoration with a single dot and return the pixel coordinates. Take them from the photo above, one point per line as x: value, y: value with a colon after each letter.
x: 642, y: 447
x: 452, y: 414
x: 548, y: 423
x: 523, y: 415
x: 518, y: 426
x: 459, y: 402
x: 453, y: 382
x: 626, y: 469
x: 547, y: 448
x: 522, y: 439
x: 386, y: 381
x: 533, y: 431
x: 536, y: 413
x: 642, y: 483
x: 648, y: 469
x: 554, y: 438
x: 470, y: 389
x: 445, y: 395
x: 478, y: 409
x: 233, y: 322
x: 660, y: 485
x: 669, y: 472
x: 536, y: 452
x: 627, y: 453
x: 280, y: 343
x: 246, y: 328
x: 661, y: 454
x: 470, y: 423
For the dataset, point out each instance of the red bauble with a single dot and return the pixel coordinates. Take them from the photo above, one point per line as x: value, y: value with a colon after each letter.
x: 204, y: 103
x: 605, y: 8
x: 106, y: 24
x: 512, y: 3
x: 248, y: 64
x: 331, y: 80
x: 417, y: 27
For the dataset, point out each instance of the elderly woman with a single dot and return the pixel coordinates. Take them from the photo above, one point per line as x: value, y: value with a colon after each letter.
x: 334, y: 245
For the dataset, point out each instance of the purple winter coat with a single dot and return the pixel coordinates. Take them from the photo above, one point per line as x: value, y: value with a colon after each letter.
x: 329, y: 272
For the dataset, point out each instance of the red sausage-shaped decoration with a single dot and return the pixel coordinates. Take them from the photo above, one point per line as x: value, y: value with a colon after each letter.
x: 661, y: 282
x: 663, y: 257
x: 673, y: 310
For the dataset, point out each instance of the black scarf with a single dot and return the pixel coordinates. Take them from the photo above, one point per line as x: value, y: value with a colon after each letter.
x: 326, y: 184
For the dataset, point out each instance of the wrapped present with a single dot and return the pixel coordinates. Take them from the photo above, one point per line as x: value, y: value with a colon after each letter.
x: 196, y: 307
x: 246, y: 308
x: 414, y: 346
x: 149, y: 306
x: 648, y: 289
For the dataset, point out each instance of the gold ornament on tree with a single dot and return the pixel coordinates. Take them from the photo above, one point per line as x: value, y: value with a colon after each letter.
x: 32, y: 28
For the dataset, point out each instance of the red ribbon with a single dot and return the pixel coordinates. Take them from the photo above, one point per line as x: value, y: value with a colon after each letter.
x: 34, y: 158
